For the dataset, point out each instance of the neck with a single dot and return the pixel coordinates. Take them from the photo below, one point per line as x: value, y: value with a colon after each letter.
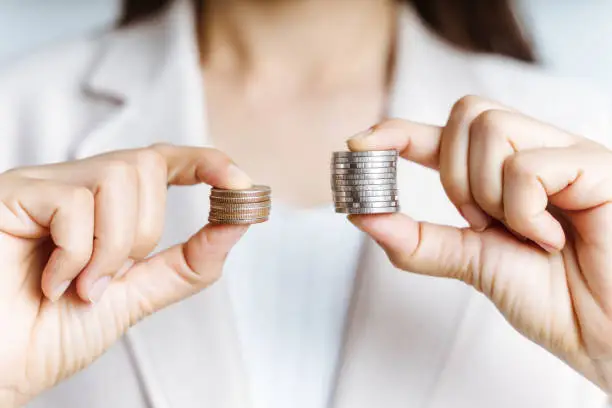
x: 322, y: 38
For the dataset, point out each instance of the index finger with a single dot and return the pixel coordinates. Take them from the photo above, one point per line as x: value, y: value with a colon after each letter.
x: 416, y: 142
x: 193, y: 165
x: 184, y: 165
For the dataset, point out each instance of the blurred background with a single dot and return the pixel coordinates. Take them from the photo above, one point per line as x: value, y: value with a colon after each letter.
x: 573, y: 37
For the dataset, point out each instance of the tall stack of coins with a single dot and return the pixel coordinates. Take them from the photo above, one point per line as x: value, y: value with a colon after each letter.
x: 249, y: 206
x: 365, y: 182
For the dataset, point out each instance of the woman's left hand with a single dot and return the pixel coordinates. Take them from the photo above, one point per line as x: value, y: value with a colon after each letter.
x: 539, y: 202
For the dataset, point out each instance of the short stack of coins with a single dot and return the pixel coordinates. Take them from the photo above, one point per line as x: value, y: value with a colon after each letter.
x: 248, y: 206
x: 365, y: 182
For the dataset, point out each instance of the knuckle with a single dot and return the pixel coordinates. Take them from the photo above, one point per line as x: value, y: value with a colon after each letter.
x: 214, y: 275
x: 468, y: 105
x: 396, y: 260
x: 146, y: 241
x: 392, y: 123
x: 150, y: 234
x: 399, y: 257
x: 115, y: 247
x: 214, y: 163
x: 219, y: 157
x: 513, y: 216
x: 150, y: 160
x: 518, y: 166
x: 81, y: 198
x: 454, y: 187
x: 14, y: 172
x: 204, y: 260
x: 487, y: 198
x: 25, y: 172
x: 488, y: 124
x: 79, y: 252
x: 118, y: 171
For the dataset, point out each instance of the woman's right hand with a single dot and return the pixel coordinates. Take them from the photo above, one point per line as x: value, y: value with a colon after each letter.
x: 74, y: 243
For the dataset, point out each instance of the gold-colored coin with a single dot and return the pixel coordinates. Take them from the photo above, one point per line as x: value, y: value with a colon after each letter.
x: 231, y: 207
x: 250, y: 221
x: 239, y: 214
x: 240, y: 200
x: 255, y: 191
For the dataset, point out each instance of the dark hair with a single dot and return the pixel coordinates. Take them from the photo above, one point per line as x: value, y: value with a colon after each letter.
x: 488, y: 26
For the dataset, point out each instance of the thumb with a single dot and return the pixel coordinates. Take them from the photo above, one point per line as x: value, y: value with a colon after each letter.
x: 424, y: 248
x: 182, y: 270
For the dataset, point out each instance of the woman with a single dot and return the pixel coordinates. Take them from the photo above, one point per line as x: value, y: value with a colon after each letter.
x: 308, y: 313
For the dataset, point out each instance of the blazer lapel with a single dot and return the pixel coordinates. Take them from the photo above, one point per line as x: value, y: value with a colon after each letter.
x: 398, y: 339
x: 188, y: 354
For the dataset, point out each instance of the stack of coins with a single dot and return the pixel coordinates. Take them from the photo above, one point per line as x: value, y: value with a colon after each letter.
x: 365, y: 182
x: 249, y: 206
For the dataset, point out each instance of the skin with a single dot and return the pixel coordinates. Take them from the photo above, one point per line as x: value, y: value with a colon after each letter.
x: 539, y: 201
x: 548, y: 274
x: 287, y: 101
x: 60, y: 224
x: 253, y: 72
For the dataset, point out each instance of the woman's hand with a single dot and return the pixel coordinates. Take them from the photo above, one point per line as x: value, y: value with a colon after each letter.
x: 74, y: 241
x: 539, y: 201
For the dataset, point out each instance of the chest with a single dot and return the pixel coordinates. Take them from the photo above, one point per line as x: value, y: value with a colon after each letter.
x: 290, y: 300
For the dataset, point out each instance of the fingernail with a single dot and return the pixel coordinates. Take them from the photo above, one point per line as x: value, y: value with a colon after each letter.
x: 98, y: 288
x: 548, y: 248
x: 59, y: 290
x: 238, y: 177
x: 363, y: 134
x: 477, y: 219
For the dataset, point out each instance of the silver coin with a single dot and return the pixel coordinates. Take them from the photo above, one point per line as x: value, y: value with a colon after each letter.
x: 364, y: 159
x: 361, y: 188
x: 380, y: 170
x: 377, y: 204
x: 364, y: 176
x: 368, y: 210
x: 367, y: 182
x: 372, y: 165
x: 361, y: 193
x: 341, y: 181
x: 256, y: 190
x: 370, y: 199
x: 374, y: 157
x: 373, y: 153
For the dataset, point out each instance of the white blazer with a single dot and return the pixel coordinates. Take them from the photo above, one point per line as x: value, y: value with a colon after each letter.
x: 410, y: 342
